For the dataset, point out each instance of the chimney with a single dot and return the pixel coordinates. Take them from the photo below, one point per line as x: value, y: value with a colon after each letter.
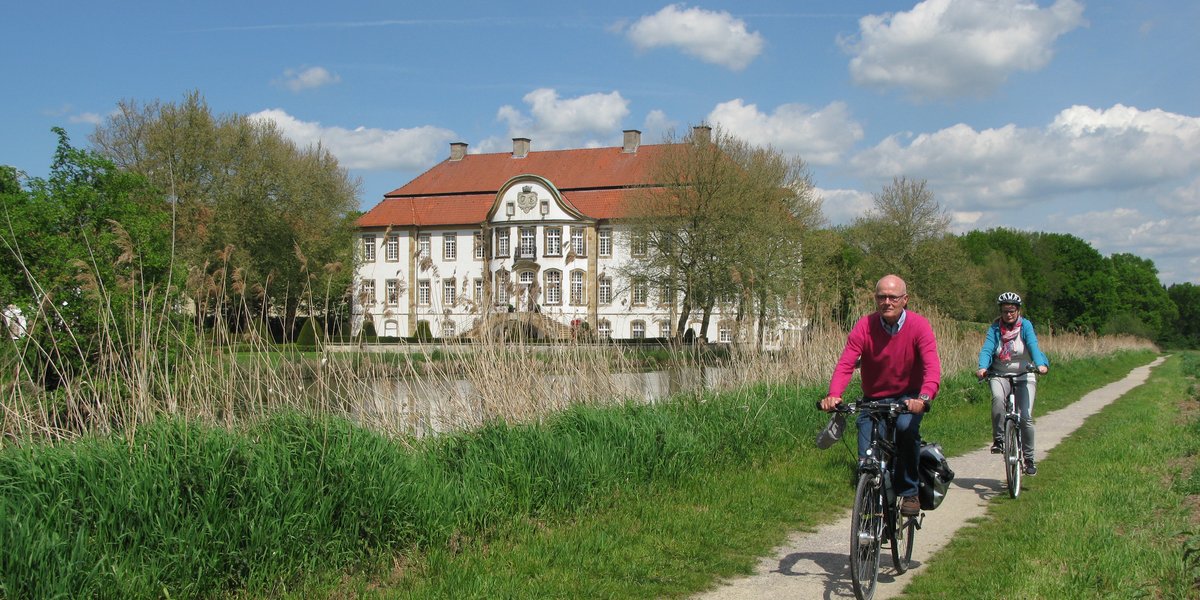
x: 633, y: 139
x: 520, y: 147
x: 458, y: 150
x: 702, y: 133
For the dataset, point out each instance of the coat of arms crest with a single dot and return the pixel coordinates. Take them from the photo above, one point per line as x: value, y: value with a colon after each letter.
x: 527, y: 199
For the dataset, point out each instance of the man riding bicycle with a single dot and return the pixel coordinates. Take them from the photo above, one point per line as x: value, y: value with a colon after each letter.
x: 1010, y: 345
x: 897, y: 353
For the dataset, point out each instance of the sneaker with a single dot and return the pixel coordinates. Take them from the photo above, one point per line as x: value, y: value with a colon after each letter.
x: 910, y: 506
x: 997, y: 447
x: 1030, y: 468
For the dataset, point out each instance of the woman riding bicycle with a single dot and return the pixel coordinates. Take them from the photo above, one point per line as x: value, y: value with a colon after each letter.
x: 1010, y: 345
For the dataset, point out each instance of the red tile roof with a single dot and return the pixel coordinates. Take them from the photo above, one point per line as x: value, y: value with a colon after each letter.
x: 595, y: 180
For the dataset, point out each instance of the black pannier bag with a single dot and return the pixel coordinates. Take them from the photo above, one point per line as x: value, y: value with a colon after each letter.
x: 935, y: 475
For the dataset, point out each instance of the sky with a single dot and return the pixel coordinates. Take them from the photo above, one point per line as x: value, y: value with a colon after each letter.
x: 1065, y: 116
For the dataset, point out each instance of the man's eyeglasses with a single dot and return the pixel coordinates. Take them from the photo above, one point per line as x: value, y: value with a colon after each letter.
x: 1009, y: 311
x: 889, y: 297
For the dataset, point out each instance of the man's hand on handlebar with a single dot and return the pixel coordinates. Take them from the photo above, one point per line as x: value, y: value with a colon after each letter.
x: 829, y: 402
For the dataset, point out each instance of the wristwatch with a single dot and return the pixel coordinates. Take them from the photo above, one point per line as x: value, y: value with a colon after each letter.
x: 924, y: 398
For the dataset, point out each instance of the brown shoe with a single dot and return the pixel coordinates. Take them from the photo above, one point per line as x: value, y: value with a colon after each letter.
x: 910, y: 506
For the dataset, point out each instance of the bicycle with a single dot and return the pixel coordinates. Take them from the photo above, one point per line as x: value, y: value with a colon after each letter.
x: 1013, y: 440
x: 876, y: 518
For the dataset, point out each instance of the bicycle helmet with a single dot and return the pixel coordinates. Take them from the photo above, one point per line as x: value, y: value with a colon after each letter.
x: 1009, y: 298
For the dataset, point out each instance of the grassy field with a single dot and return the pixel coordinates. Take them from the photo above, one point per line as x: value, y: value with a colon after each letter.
x: 672, y: 541
x: 1113, y: 516
x: 629, y: 501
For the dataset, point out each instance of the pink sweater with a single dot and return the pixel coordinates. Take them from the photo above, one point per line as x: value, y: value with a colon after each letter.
x: 905, y: 363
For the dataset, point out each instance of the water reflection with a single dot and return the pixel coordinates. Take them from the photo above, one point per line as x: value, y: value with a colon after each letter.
x: 427, y: 406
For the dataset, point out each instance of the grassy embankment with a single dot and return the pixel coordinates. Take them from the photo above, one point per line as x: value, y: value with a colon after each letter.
x: 632, y: 500
x: 1112, y: 514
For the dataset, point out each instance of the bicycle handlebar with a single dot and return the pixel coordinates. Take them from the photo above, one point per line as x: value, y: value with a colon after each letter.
x: 869, y: 406
x: 1026, y: 368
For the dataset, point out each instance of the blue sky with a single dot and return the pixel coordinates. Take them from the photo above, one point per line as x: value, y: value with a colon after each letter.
x: 1070, y: 116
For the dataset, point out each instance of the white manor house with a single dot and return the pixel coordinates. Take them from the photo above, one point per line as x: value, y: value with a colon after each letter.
x: 487, y: 240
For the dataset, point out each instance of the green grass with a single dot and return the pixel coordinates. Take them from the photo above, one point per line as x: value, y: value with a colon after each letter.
x: 1107, y: 516
x: 672, y: 541
x: 630, y: 501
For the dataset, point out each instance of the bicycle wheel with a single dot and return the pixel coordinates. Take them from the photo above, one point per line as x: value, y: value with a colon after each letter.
x: 906, y: 533
x: 866, y: 530
x: 1012, y: 457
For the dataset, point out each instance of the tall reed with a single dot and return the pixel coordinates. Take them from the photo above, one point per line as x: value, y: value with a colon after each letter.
x: 152, y: 357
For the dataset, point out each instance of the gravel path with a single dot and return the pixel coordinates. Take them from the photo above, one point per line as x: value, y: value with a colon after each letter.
x: 816, y: 565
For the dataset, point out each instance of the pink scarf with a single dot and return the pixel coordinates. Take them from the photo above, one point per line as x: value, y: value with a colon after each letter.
x: 1007, y: 337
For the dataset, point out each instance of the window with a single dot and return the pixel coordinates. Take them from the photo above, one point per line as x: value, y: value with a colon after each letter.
x: 638, y: 245
x: 577, y: 298
x: 447, y: 328
x: 450, y: 246
x: 423, y: 244
x: 391, y: 250
x: 448, y: 293
x: 553, y: 287
x: 639, y: 290
x: 604, y: 329
x: 604, y: 293
x: 666, y: 296
x: 528, y: 248
x: 502, y: 241
x: 368, y: 248
x: 478, y: 248
x: 578, y: 244
x: 368, y: 292
x: 553, y: 241
x: 524, y: 283
x: 477, y: 293
x: 423, y: 292
x: 501, y: 284
x: 637, y: 330
x: 664, y: 329
x: 604, y: 242
x: 724, y: 334
x: 393, y: 291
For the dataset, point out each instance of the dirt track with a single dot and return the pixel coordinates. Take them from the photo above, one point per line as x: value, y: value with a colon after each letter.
x: 816, y: 565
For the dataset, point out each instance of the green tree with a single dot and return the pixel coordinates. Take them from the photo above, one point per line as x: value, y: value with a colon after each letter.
x: 1141, y: 295
x: 908, y: 233
x: 264, y: 226
x: 1185, y: 330
x: 85, y: 254
x: 724, y: 223
x: 1078, y: 287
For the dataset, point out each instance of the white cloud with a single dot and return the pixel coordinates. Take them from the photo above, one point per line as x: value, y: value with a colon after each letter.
x: 368, y: 148
x: 713, y: 37
x: 820, y: 137
x: 656, y: 126
x: 299, y: 80
x: 1171, y: 243
x: 86, y: 117
x: 947, y: 48
x: 841, y: 207
x: 1083, y: 150
x: 554, y: 122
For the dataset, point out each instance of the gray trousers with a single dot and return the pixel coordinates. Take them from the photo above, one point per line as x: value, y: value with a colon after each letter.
x: 1025, y: 392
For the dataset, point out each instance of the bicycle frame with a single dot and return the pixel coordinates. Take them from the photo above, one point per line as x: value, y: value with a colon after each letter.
x: 1013, y: 438
x: 876, y: 516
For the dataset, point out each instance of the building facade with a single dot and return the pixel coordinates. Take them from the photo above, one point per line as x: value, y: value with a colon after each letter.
x: 482, y: 241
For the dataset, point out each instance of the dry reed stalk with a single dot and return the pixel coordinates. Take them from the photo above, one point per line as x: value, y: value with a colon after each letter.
x: 132, y: 382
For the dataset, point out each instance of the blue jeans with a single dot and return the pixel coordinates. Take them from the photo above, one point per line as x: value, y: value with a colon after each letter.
x: 908, y: 446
